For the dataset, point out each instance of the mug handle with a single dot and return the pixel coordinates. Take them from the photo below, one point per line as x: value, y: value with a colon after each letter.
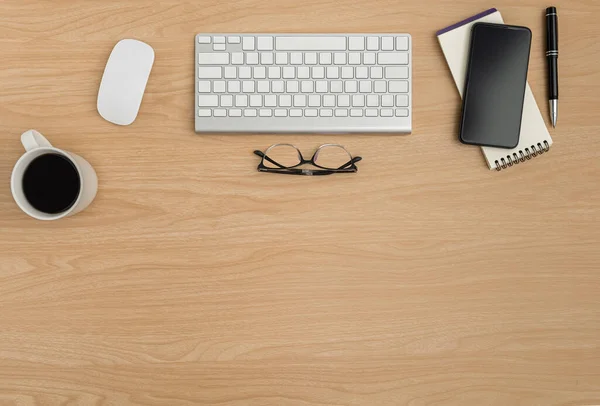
x: 32, y: 139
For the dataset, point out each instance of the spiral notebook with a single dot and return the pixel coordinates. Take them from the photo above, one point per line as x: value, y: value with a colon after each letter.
x: 534, y: 137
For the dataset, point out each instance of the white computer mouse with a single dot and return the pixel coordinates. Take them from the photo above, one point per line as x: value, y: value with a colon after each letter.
x: 124, y: 81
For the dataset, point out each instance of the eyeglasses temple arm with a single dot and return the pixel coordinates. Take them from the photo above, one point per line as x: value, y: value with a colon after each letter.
x: 265, y: 157
x: 296, y: 171
x: 351, y: 162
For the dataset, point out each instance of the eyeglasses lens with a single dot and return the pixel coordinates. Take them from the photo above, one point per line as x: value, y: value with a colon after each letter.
x: 332, y: 157
x: 285, y: 155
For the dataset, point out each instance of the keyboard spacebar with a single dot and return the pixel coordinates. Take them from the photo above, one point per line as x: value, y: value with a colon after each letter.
x: 310, y: 43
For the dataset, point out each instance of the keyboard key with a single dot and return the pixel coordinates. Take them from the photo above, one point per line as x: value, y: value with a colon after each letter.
x: 310, y: 58
x: 387, y: 100
x: 234, y: 40
x: 235, y: 112
x: 296, y: 58
x: 245, y: 72
x: 373, y: 43
x: 219, y: 40
x: 260, y: 72
x: 289, y: 72
x: 343, y: 100
x: 314, y: 100
x: 300, y: 100
x: 230, y: 72
x: 392, y: 58
x: 307, y: 86
x: 336, y: 86
x: 281, y: 113
x: 351, y: 86
x: 265, y: 43
x: 347, y: 72
x: 398, y: 86
x: 213, y: 58
x: 274, y: 72
x: 358, y: 100
x: 311, y: 112
x: 321, y: 86
x: 204, y: 113
x: 241, y: 100
x: 226, y: 100
x: 402, y: 100
x: 376, y: 72
x: 369, y: 58
x: 248, y: 43
x: 401, y: 112
x: 329, y: 100
x: 233, y: 86
x: 387, y: 113
x: 256, y: 100
x: 371, y: 112
x: 318, y: 72
x: 387, y: 44
x: 339, y: 58
x: 354, y: 58
x: 203, y: 40
x: 311, y: 43
x: 219, y: 86
x: 326, y: 112
x: 250, y: 113
x: 325, y: 58
x: 278, y: 86
x: 372, y: 100
x: 263, y: 86
x: 248, y: 86
x: 356, y: 113
x: 270, y: 100
x: 356, y: 44
x: 210, y: 72
x: 295, y: 113
x: 365, y: 86
x: 204, y: 86
x: 252, y: 58
x: 265, y: 112
x: 219, y: 47
x: 333, y: 72
x: 237, y: 58
x: 362, y: 72
x: 380, y: 86
x: 341, y: 112
x: 266, y: 58
x: 285, y: 100
x: 396, y: 72
x: 292, y: 86
x: 281, y: 58
x: 303, y: 72
x: 402, y: 43
x: 220, y: 113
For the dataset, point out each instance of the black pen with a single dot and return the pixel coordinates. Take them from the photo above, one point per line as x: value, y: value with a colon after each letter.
x: 552, y: 56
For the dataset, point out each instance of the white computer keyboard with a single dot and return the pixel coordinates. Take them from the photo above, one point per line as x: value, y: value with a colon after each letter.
x: 303, y: 83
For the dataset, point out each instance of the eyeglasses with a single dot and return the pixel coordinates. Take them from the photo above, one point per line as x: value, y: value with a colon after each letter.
x: 286, y: 158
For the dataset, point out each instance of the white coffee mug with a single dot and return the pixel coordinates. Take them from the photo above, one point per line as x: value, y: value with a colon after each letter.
x: 36, y: 145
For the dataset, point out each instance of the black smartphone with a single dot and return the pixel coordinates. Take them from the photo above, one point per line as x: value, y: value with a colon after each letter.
x: 495, y: 85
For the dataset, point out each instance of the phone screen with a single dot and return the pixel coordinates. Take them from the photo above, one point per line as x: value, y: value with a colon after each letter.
x: 495, y: 85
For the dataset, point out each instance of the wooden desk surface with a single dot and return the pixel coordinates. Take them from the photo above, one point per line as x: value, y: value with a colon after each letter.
x: 425, y: 279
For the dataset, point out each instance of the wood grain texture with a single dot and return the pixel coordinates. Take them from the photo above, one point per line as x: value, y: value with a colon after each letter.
x: 425, y: 279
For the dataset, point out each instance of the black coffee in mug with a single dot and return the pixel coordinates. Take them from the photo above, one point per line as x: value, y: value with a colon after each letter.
x: 51, y: 183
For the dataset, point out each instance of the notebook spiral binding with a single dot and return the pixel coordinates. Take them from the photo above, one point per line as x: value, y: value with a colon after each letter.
x: 529, y: 153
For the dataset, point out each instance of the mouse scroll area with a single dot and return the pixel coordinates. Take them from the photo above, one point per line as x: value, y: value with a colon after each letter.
x: 124, y: 81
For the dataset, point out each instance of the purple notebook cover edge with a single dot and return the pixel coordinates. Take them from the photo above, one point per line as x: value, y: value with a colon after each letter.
x: 466, y: 21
